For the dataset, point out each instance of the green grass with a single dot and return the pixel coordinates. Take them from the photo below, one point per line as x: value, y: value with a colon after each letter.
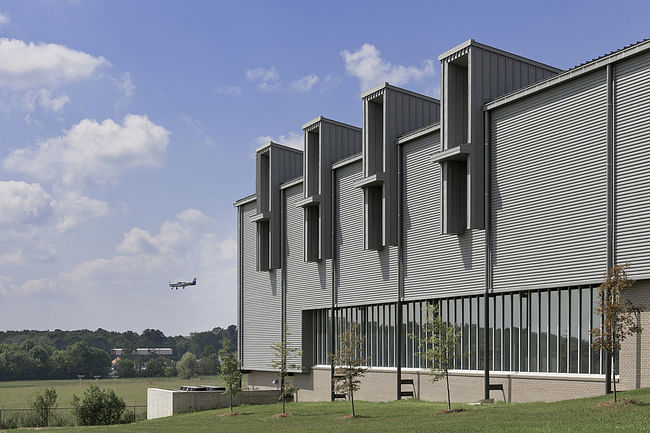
x: 408, y: 416
x: 19, y: 394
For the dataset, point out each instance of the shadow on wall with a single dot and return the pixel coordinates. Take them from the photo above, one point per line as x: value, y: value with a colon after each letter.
x: 465, y: 246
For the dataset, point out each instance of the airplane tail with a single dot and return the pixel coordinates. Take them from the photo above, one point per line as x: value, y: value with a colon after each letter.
x: 194, y: 282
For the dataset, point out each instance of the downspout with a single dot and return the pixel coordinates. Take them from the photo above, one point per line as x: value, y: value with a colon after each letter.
x: 488, y: 250
x: 611, y: 201
x: 400, y: 275
x: 283, y: 277
x: 240, y: 270
x: 334, y: 254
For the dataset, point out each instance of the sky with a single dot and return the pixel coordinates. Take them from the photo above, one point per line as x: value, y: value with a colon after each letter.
x: 128, y: 129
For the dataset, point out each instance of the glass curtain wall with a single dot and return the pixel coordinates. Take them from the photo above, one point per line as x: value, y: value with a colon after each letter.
x: 535, y: 331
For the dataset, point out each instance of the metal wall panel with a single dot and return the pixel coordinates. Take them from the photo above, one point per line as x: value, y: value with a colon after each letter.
x: 308, y: 284
x: 632, y: 137
x: 435, y: 264
x: 362, y: 276
x: 549, y: 174
x: 261, y: 302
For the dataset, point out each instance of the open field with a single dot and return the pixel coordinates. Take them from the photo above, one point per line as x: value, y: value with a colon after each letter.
x: 19, y: 394
x: 408, y: 416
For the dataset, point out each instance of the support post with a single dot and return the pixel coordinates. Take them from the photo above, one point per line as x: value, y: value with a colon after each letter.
x: 488, y: 252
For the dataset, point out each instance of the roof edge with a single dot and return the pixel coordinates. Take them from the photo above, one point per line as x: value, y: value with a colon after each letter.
x: 244, y: 200
x: 417, y: 133
x: 278, y: 145
x: 387, y: 85
x: 327, y: 120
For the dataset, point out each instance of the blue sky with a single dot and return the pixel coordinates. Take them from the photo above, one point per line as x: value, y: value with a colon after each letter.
x: 128, y: 129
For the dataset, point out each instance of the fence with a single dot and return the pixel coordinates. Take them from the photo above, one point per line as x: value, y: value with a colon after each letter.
x: 58, y: 417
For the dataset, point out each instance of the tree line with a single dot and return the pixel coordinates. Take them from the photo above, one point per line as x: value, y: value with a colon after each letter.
x: 65, y: 354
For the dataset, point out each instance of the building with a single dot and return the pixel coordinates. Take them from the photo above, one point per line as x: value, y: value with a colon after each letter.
x: 504, y: 202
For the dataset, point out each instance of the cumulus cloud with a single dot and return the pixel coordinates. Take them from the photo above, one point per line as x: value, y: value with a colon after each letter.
x: 22, y: 203
x: 228, y: 90
x: 371, y: 69
x: 45, y: 99
x: 34, y: 65
x: 291, y: 139
x: 266, y: 78
x: 306, y: 83
x: 74, y: 208
x: 93, y: 151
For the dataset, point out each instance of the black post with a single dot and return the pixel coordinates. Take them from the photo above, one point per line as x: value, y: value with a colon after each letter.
x: 610, y: 201
x: 488, y: 253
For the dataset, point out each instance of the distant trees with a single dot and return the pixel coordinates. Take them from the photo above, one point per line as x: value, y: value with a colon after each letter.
x: 187, y: 367
x: 125, y: 368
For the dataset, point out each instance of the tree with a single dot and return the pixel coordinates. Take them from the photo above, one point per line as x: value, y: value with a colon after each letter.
x: 187, y: 366
x: 283, y: 353
x: 98, y: 407
x: 348, y: 365
x: 619, y: 315
x: 43, y: 405
x: 437, y: 345
x: 230, y: 374
x: 208, y: 365
x: 155, y: 367
x: 125, y: 368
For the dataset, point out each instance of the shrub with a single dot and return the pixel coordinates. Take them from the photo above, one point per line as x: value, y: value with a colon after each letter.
x: 98, y: 407
x: 43, y: 407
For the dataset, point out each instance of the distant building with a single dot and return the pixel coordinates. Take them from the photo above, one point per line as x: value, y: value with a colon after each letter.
x: 145, y: 351
x: 503, y: 203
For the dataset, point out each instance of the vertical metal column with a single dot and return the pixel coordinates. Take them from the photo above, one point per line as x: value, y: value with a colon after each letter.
x: 611, y: 200
x: 400, y: 276
x: 488, y: 251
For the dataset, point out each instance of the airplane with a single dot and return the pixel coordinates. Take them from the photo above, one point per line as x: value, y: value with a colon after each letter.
x: 182, y: 284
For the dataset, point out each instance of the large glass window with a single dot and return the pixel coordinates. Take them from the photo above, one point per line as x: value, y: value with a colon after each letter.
x: 553, y: 327
x: 564, y: 331
x: 534, y: 331
x: 498, y: 333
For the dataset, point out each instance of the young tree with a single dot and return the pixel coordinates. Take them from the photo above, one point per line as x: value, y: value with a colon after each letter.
x: 283, y: 353
x: 619, y: 314
x: 437, y: 345
x: 43, y: 406
x: 230, y: 374
x: 348, y: 364
x: 98, y: 407
x: 187, y: 366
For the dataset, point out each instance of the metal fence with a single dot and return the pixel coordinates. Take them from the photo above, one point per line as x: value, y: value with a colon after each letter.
x: 57, y: 417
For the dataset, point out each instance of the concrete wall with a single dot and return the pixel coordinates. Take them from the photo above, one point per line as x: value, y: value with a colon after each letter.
x: 167, y: 402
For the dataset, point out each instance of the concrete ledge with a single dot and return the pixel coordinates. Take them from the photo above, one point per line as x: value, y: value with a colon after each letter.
x: 167, y: 402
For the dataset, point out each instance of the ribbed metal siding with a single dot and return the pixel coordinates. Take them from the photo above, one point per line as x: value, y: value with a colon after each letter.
x: 549, y: 173
x: 435, y: 264
x: 308, y: 284
x: 362, y: 276
x: 632, y: 106
x: 262, y: 302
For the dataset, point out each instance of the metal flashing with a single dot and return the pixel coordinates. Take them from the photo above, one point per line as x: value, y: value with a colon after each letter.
x: 376, y: 179
x: 319, y: 119
x: 291, y: 182
x: 242, y: 201
x: 347, y: 161
x: 417, y: 133
x: 387, y: 85
x: 274, y: 144
x: 570, y: 74
x: 262, y: 216
x: 456, y: 153
x: 313, y: 200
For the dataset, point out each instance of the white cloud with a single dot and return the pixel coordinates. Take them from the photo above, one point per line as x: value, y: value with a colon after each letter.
x: 292, y: 139
x: 125, y: 84
x: 267, y: 78
x: 93, y: 151
x: 228, y: 90
x: 23, y: 203
x: 306, y: 83
x: 44, y: 99
x: 4, y: 18
x: 74, y: 208
x: 371, y: 69
x: 36, y: 65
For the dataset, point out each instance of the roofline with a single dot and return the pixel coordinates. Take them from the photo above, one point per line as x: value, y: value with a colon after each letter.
x: 347, y: 161
x: 281, y: 146
x: 387, y: 85
x: 333, y: 122
x: 291, y: 182
x: 243, y: 201
x: 469, y: 42
x: 571, y: 74
x: 417, y: 133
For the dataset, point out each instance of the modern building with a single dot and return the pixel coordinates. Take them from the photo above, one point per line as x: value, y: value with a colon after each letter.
x: 504, y: 203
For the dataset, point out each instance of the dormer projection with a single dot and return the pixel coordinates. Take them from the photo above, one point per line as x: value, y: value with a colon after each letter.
x: 326, y: 141
x: 471, y: 75
x: 388, y: 112
x: 274, y: 165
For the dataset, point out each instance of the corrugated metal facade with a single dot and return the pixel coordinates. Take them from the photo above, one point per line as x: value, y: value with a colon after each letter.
x: 308, y: 284
x: 362, y: 276
x: 632, y: 136
x: 549, y: 174
x: 261, y: 302
x: 435, y: 264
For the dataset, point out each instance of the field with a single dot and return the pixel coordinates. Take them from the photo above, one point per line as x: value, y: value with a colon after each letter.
x: 19, y: 394
x: 582, y: 415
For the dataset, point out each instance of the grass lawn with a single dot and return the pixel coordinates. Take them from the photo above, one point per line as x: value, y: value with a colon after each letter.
x: 19, y: 394
x: 408, y: 416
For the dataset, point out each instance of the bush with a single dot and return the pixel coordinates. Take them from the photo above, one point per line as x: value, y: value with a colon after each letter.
x: 187, y: 366
x: 43, y: 407
x: 99, y: 407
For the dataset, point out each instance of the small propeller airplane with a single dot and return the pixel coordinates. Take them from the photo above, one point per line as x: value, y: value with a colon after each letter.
x: 182, y: 284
